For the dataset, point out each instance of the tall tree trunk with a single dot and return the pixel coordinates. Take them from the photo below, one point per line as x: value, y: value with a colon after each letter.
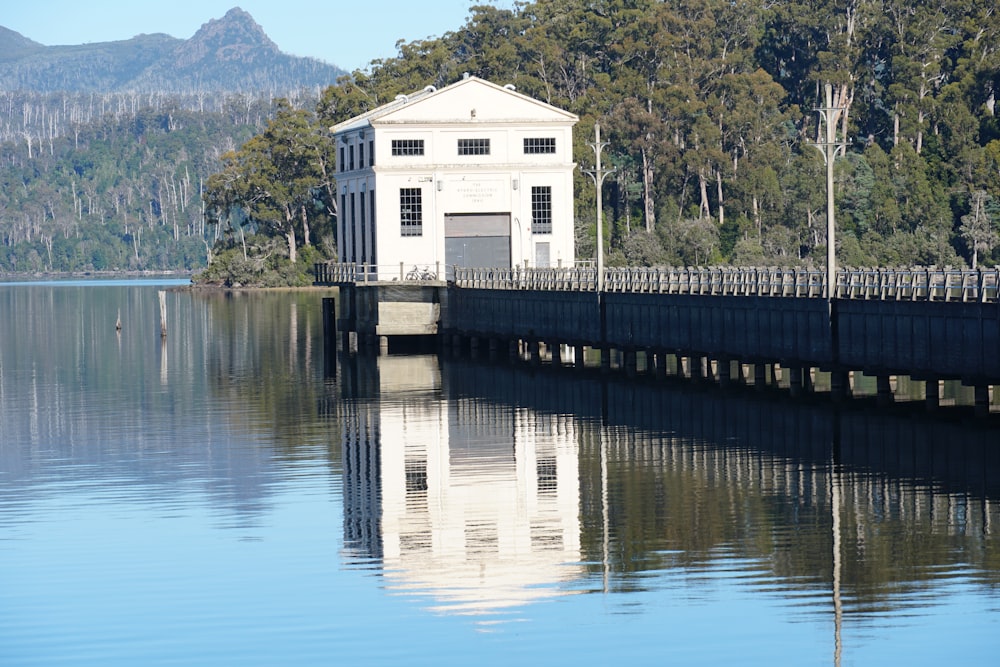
x: 290, y: 233
x: 704, y: 210
x: 649, y: 210
x: 290, y: 236
x: 305, y: 226
x: 718, y: 186
x: 920, y: 132
x: 756, y: 218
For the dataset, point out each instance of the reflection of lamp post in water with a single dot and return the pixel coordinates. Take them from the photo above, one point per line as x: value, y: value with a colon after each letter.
x: 599, y: 175
x: 838, y: 607
x: 829, y: 147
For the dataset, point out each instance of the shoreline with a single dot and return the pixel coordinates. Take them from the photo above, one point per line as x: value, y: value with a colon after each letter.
x: 57, y: 275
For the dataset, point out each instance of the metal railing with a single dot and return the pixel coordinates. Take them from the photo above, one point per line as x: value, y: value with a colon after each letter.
x: 571, y: 279
x: 920, y: 284
x: 335, y: 273
x: 898, y: 284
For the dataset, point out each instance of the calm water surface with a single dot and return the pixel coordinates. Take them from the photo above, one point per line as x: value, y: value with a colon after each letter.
x: 230, y: 495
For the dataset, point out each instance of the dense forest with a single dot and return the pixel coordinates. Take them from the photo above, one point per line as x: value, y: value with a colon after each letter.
x: 114, y: 182
x: 708, y: 108
x: 105, y: 147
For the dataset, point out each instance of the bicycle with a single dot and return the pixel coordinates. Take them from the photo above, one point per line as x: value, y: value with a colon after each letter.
x: 420, y: 274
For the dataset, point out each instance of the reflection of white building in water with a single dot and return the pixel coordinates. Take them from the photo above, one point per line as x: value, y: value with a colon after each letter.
x: 474, y: 504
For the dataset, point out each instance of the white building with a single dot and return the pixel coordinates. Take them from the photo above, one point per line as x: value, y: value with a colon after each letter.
x: 473, y: 174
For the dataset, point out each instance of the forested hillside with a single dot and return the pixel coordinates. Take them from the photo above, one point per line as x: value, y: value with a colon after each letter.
x: 105, y: 148
x: 708, y: 108
x: 118, y: 190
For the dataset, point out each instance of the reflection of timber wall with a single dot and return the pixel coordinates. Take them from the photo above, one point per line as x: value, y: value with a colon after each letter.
x: 925, y: 340
x: 953, y: 456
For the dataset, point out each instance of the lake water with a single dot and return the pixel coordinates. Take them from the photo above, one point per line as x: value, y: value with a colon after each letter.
x: 231, y: 495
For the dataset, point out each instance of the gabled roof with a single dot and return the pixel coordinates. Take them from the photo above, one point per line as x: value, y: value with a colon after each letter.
x: 469, y: 100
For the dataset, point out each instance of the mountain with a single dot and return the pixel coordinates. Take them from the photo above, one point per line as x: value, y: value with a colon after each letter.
x: 228, y: 54
x: 14, y: 46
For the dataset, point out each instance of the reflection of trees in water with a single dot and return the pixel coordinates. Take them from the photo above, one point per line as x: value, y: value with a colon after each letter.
x: 694, y: 475
x: 263, y: 351
x: 235, y: 378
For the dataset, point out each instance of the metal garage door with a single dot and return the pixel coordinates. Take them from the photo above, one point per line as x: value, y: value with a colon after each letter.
x: 477, y: 239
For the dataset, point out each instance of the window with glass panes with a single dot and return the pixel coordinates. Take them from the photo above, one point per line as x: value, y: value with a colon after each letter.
x: 411, y: 215
x: 407, y: 147
x: 539, y: 145
x: 473, y: 146
x: 541, y: 209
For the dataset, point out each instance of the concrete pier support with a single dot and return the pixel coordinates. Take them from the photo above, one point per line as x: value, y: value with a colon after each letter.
x: 725, y: 372
x: 661, y: 364
x: 795, y: 383
x: 932, y: 394
x: 556, y: 353
x: 535, y: 351
x: 982, y: 400
x: 631, y: 362
x: 840, y: 385
x: 884, y: 390
x: 383, y: 346
x: 697, y: 367
x: 679, y: 366
x: 759, y: 376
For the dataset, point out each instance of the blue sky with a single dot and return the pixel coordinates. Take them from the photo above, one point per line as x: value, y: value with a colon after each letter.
x: 347, y: 34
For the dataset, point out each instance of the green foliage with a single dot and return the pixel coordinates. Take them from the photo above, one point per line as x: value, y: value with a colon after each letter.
x: 708, y: 113
x: 706, y: 108
x: 118, y: 194
x: 264, y: 262
x: 280, y: 181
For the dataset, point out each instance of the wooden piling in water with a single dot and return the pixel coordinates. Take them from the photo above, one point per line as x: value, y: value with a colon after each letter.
x: 163, y: 313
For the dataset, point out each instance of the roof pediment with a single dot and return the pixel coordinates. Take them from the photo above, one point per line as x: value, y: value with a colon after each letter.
x: 470, y: 100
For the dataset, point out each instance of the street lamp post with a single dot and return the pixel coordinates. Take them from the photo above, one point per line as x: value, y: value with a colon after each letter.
x: 599, y: 174
x: 830, y: 147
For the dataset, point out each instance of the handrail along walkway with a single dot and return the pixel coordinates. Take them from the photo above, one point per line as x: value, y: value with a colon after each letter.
x: 980, y: 285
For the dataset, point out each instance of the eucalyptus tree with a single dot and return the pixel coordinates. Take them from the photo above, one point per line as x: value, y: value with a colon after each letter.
x: 979, y: 225
x: 279, y: 179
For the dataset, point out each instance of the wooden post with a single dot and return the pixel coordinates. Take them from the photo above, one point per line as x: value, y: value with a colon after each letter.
x: 163, y: 313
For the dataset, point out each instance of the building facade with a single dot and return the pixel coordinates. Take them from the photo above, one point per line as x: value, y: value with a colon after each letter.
x: 472, y: 174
